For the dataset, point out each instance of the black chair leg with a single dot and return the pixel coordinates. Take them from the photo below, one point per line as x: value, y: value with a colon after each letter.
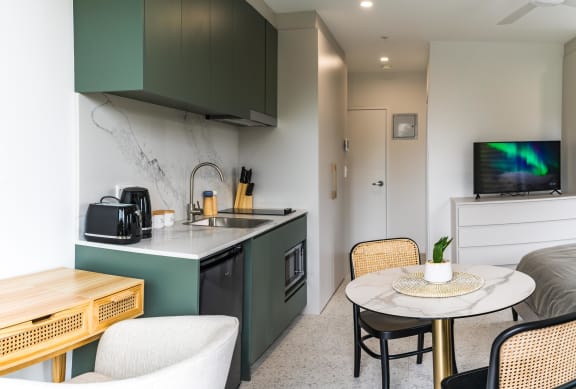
x: 514, y: 315
x: 384, y: 363
x: 454, y: 366
x: 420, y: 348
x: 357, y: 350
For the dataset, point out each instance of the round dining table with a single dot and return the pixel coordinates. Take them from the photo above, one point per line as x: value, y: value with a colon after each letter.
x: 390, y: 292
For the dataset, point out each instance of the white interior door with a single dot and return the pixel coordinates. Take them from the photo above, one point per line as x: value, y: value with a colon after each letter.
x: 366, y: 175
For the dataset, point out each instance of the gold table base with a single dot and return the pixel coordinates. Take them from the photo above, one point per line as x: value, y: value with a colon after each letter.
x: 442, y: 350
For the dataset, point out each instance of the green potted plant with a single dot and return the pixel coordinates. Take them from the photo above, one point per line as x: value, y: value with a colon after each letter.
x: 439, y: 269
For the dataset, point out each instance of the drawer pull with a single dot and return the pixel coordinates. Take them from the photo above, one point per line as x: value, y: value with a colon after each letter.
x: 122, y: 296
x: 40, y: 319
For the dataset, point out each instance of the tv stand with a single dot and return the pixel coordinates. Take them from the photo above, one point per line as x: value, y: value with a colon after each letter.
x: 501, y: 230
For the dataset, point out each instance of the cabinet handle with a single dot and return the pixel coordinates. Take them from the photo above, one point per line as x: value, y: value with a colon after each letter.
x: 41, y: 318
x: 122, y: 296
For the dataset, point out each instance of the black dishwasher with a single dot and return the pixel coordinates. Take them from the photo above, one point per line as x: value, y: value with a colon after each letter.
x: 221, y: 293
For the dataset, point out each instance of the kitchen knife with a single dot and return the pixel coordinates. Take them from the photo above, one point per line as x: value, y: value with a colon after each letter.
x: 241, y: 190
x: 250, y: 189
x: 247, y: 199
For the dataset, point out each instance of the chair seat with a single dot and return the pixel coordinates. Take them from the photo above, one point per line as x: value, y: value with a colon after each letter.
x: 392, y: 327
x: 468, y: 380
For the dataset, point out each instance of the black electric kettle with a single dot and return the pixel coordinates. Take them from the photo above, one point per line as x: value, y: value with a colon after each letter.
x: 139, y: 196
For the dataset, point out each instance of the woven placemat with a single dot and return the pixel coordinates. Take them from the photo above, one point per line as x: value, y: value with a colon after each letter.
x: 416, y: 285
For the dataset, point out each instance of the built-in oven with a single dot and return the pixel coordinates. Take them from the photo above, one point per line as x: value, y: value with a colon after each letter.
x: 295, y: 269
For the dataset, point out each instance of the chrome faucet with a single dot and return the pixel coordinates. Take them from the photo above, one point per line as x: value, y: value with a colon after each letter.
x: 194, y: 209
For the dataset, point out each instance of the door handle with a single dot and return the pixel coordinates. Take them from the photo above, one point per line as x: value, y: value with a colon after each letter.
x: 378, y: 183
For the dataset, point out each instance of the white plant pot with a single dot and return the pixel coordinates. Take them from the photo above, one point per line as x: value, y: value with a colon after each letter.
x: 438, y: 273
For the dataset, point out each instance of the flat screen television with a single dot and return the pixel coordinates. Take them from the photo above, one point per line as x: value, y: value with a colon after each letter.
x: 516, y: 167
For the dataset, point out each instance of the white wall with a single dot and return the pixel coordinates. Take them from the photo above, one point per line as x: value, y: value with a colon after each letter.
x: 405, y: 158
x: 292, y: 162
x: 479, y: 92
x: 569, y: 118
x: 38, y: 152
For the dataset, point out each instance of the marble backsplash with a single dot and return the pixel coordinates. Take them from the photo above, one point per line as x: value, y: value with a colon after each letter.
x: 130, y: 143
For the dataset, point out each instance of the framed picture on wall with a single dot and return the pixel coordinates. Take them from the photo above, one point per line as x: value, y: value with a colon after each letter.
x: 404, y: 125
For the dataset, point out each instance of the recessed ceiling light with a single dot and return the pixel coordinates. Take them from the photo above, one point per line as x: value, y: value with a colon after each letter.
x: 366, y: 4
x: 386, y: 67
x: 384, y: 59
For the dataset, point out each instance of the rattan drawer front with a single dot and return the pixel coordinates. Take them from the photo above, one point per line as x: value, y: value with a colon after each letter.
x: 22, y: 341
x: 118, y: 306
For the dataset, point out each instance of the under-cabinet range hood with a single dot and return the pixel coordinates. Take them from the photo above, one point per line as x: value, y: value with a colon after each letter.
x: 255, y: 119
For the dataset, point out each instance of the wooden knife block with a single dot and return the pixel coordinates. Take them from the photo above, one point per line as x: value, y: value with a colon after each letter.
x: 241, y: 200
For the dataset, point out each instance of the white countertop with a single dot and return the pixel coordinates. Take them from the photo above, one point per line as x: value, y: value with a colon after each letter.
x: 195, y: 242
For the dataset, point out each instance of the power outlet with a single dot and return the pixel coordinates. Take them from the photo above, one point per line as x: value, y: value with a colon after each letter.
x: 118, y: 189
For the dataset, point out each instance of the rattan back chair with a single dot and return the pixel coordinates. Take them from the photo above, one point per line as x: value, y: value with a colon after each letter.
x: 370, y: 256
x: 539, y: 354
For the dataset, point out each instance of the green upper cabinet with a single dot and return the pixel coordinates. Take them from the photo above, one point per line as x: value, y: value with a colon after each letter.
x: 163, y: 61
x: 204, y: 56
x: 249, y: 60
x: 271, y: 70
x: 221, y: 54
x: 196, y: 52
x: 108, y: 50
x: 143, y: 49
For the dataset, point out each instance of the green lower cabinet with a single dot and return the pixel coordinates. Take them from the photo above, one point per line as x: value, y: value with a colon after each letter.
x: 171, y: 286
x: 267, y: 310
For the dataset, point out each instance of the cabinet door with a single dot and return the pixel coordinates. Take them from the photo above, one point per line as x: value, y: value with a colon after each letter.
x: 270, y: 314
x: 271, y: 70
x: 195, y: 85
x: 108, y: 51
x: 162, y: 47
x: 262, y: 296
x: 249, y: 60
x: 221, y: 54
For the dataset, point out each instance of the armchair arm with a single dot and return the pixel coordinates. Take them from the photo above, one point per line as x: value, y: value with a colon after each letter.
x: 137, y: 347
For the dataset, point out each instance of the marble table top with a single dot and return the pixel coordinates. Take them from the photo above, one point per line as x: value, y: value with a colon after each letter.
x: 503, y: 287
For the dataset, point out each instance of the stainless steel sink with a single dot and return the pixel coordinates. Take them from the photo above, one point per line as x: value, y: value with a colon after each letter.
x: 228, y: 222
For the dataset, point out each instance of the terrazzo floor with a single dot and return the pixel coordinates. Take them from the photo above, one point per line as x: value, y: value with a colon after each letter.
x: 317, y: 352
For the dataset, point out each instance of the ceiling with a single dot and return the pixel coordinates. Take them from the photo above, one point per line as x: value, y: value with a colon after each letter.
x: 411, y: 24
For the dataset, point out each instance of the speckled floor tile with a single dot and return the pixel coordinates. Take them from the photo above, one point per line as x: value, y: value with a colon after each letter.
x: 317, y: 352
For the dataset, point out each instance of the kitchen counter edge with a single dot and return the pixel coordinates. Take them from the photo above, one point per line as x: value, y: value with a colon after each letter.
x: 193, y: 242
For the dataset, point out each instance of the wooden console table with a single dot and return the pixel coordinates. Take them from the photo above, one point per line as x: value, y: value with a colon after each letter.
x: 44, y: 315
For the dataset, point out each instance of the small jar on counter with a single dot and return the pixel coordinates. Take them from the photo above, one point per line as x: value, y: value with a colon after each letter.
x: 208, y: 203
x: 169, y: 217
x: 158, y: 219
x: 162, y: 218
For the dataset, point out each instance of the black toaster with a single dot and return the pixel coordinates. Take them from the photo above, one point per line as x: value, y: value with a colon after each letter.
x: 113, y: 222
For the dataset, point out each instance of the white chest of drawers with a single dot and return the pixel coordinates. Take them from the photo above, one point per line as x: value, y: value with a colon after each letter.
x: 499, y: 231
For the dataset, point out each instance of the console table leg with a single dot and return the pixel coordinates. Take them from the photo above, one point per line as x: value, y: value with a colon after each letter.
x: 59, y: 368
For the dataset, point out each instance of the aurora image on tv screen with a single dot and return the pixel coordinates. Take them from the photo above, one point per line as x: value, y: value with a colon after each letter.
x: 516, y: 167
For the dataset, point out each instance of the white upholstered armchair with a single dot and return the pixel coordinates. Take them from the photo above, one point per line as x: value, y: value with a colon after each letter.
x: 175, y: 352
